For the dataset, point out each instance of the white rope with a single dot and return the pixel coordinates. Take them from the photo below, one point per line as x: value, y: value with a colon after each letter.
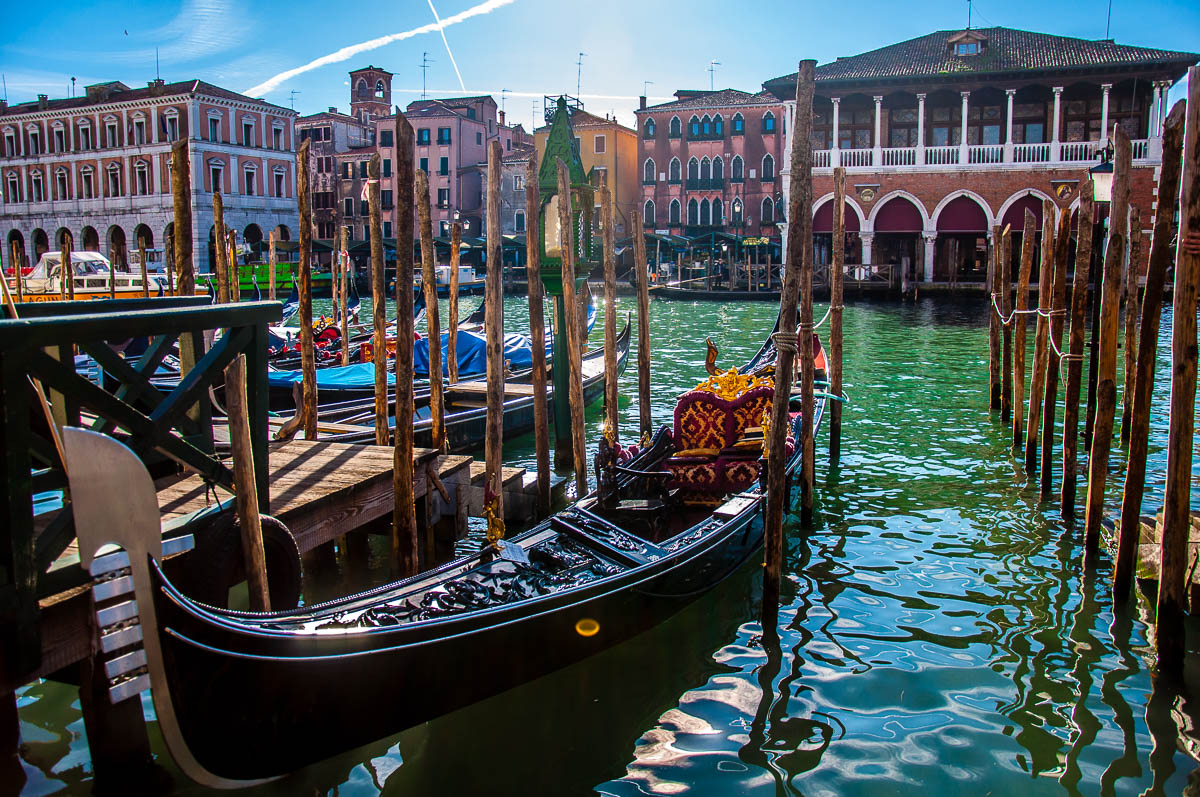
x: 821, y: 323
x: 1008, y: 321
x: 785, y: 342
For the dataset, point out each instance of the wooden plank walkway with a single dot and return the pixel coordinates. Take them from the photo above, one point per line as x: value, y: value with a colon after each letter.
x: 1149, y: 550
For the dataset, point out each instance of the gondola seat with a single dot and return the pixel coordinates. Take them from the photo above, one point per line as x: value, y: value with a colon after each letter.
x: 713, y: 454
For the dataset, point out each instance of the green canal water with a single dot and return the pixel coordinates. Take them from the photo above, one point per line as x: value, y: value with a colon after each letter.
x: 937, y: 636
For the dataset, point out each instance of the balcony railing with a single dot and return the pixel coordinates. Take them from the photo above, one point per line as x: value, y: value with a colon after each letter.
x: 707, y: 183
x: 1062, y: 152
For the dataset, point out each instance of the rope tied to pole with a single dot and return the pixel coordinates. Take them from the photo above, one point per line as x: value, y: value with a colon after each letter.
x: 1007, y: 321
x: 785, y: 342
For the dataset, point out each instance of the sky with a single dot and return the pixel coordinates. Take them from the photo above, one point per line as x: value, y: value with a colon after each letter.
x: 296, y: 53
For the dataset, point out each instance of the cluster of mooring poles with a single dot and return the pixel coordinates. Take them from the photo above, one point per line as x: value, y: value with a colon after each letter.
x: 1113, y: 278
x: 794, y: 340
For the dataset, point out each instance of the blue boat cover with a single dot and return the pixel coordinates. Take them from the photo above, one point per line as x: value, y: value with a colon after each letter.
x: 472, y: 354
x: 360, y: 376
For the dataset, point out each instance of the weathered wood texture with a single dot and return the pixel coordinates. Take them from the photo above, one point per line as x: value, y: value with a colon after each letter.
x: 836, y: 275
x: 344, y: 291
x: 1037, y: 382
x: 437, y: 404
x: 1106, y: 374
x: 1131, y: 319
x: 141, y: 258
x: 1004, y: 302
x: 246, y: 496
x: 1161, y: 252
x: 452, y: 309
x: 1019, y: 325
x: 994, y: 346
x: 405, y: 541
x: 232, y: 275
x: 1058, y: 310
x: 1079, y: 297
x: 272, y: 262
x: 571, y: 324
x: 608, y: 235
x: 379, y: 305
x: 1172, y: 595
x: 643, y: 349
x: 308, y: 361
x: 181, y: 231
x: 493, y: 454
x: 537, y: 334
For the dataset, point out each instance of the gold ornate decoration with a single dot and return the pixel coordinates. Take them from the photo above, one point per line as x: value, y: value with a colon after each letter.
x: 730, y: 384
x: 495, y: 523
x: 766, y: 428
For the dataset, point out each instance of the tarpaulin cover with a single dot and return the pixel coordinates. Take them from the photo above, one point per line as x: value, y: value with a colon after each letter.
x: 360, y: 376
x: 472, y: 354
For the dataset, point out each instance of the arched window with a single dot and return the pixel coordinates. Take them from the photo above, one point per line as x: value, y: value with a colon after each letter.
x: 768, y: 169
x: 718, y: 211
x: 718, y: 168
x: 739, y: 124
x: 361, y: 88
x: 694, y: 126
x: 649, y: 129
x: 674, y: 129
x: 693, y: 213
x: 648, y: 213
x: 738, y: 169
x: 379, y: 89
x: 648, y: 173
x: 705, y: 169
x: 673, y: 172
x: 675, y: 212
x: 718, y: 126
x: 705, y: 213
x: 706, y: 125
x: 768, y: 211
x: 693, y: 169
x: 768, y: 122
x: 735, y: 211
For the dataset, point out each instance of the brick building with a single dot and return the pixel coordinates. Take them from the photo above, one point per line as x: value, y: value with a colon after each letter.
x: 946, y: 135
x: 710, y: 161
x: 98, y: 166
x: 514, y: 168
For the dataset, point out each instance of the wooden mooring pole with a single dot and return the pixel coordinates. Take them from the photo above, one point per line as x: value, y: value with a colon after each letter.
x: 570, y: 323
x: 643, y: 350
x: 1106, y: 369
x: 994, y: 344
x: 607, y: 233
x: 1005, y: 305
x: 220, y: 252
x: 271, y: 262
x: 452, y: 310
x: 181, y: 189
x: 1131, y: 319
x: 432, y: 316
x: 493, y: 291
x: 141, y: 259
x: 1058, y: 309
x: 15, y: 263
x: 234, y: 273
x: 837, y: 273
x: 112, y: 272
x: 1079, y: 297
x: 1161, y: 251
x: 1019, y: 325
x: 344, y: 291
x: 379, y: 296
x: 405, y: 541
x: 537, y: 332
x: 799, y: 240
x: 308, y: 361
x: 1172, y: 587
x: 246, y: 489
x: 1037, y: 381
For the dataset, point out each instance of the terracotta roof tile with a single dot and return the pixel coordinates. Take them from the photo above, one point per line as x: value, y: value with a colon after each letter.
x: 721, y: 98
x: 129, y: 95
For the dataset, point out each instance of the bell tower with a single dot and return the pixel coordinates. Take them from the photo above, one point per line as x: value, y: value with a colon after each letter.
x: 370, y: 93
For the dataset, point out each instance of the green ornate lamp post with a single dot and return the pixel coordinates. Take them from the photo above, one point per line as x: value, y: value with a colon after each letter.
x: 560, y: 145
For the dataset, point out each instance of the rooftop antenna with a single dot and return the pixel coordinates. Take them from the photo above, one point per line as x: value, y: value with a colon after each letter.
x: 645, y: 85
x: 425, y: 62
x: 72, y: 87
x: 579, y: 73
x: 5, y: 79
x: 157, y: 72
x: 533, y: 114
x: 1108, y: 24
x: 293, y: 94
x: 502, y: 93
x: 712, y: 68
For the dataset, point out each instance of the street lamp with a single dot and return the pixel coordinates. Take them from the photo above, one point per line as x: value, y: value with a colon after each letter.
x: 1102, y: 176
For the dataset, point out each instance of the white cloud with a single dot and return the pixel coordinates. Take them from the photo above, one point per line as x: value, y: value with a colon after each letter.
x: 349, y: 51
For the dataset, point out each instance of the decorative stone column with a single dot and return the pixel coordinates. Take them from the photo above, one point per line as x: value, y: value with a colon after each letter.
x: 877, y: 154
x: 1008, y: 129
x: 963, y: 153
x: 920, y: 129
x: 835, y: 158
x: 1105, y: 88
x: 868, y: 239
x: 1055, y: 141
x: 930, y: 238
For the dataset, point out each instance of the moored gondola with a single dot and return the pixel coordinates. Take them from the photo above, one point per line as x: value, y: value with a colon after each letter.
x: 242, y: 697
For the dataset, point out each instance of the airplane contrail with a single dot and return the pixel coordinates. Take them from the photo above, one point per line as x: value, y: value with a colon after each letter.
x: 442, y: 31
x: 349, y: 51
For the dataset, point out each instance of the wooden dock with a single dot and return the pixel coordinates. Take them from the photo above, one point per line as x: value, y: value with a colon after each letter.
x: 1149, y: 552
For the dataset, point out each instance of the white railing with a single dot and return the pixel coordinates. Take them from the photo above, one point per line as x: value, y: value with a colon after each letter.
x: 985, y: 153
x: 1078, y: 151
x: 857, y: 157
x: 1031, y: 153
x: 1141, y: 148
x: 941, y: 156
x: 899, y: 156
x: 822, y: 158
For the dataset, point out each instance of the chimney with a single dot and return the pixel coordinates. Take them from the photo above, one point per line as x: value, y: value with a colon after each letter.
x: 642, y: 103
x: 156, y: 87
x: 333, y: 109
x: 502, y: 118
x: 43, y: 101
x: 3, y: 106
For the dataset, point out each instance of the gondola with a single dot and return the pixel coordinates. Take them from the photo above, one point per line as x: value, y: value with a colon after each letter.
x: 244, y: 697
